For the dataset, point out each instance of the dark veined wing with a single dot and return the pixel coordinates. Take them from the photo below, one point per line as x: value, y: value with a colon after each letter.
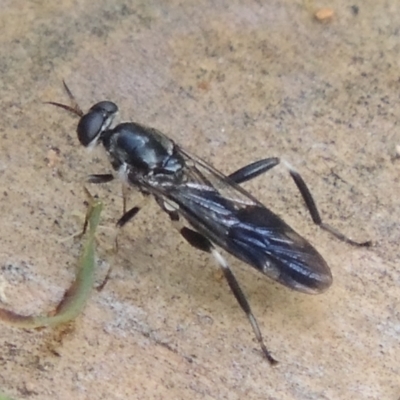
x: 234, y: 220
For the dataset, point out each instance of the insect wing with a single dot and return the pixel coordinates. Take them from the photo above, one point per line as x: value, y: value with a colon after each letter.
x: 231, y: 218
x: 263, y: 240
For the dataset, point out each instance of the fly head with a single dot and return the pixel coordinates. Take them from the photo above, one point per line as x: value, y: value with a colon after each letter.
x: 96, y: 121
x: 92, y: 124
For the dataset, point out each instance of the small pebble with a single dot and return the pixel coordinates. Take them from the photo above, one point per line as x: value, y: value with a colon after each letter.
x: 324, y: 14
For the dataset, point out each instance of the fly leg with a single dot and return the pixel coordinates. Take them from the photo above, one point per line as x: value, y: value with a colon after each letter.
x: 126, y: 216
x: 257, y: 168
x: 200, y: 242
x: 253, y: 170
x: 100, y: 178
x: 313, y: 210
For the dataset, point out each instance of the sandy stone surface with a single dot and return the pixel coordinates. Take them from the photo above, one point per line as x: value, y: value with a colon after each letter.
x: 233, y: 82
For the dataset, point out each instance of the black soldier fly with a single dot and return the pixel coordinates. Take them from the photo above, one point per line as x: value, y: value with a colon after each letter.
x: 219, y: 211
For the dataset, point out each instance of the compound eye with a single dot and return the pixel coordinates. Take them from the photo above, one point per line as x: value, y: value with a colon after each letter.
x: 96, y: 121
x: 107, y: 107
x: 90, y: 127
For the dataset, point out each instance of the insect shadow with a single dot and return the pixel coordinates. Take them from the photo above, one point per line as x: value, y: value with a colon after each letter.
x: 219, y: 211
